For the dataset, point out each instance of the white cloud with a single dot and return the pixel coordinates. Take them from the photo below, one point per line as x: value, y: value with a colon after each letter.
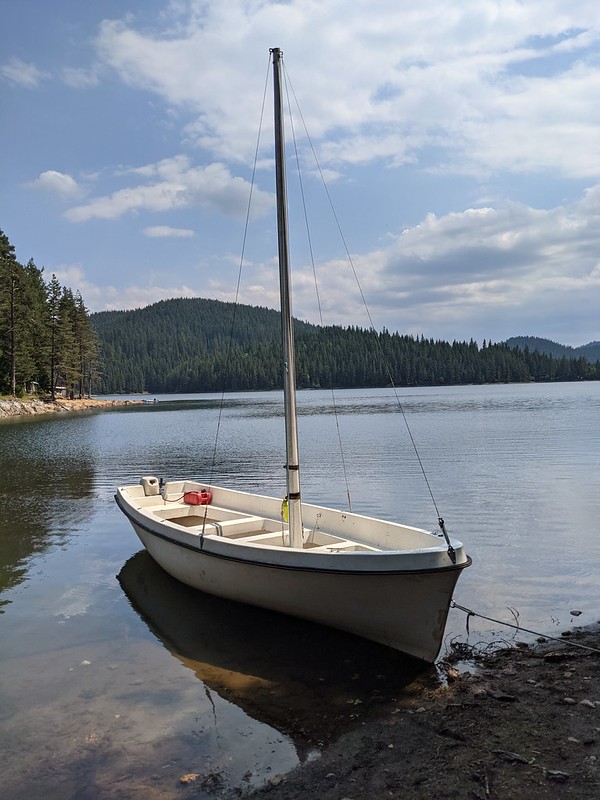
x: 161, y: 231
x: 22, y: 73
x: 536, y: 124
x: 80, y: 78
x: 74, y: 276
x: 177, y: 184
x: 495, y: 272
x: 111, y: 299
x: 491, y: 86
x: 57, y: 183
x: 468, y: 106
x: 482, y: 269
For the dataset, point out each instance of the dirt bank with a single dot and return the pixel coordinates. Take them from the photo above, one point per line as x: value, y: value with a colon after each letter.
x: 523, y: 722
x: 19, y: 408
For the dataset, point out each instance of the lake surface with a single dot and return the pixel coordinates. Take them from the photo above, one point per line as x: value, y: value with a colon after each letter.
x: 115, y: 680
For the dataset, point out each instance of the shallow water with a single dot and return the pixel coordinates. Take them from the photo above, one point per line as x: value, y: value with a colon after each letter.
x: 108, y: 689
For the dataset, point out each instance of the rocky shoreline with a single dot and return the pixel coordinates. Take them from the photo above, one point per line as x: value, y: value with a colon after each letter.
x: 522, y: 722
x: 28, y: 407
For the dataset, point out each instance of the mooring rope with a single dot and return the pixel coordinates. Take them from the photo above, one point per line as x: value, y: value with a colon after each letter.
x: 470, y: 613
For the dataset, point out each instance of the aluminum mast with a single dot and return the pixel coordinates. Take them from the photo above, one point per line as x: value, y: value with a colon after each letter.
x: 287, y: 330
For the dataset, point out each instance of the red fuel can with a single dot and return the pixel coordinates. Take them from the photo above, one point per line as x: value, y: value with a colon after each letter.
x: 195, y: 498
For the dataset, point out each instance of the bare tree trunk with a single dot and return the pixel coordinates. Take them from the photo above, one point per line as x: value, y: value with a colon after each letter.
x: 13, y: 341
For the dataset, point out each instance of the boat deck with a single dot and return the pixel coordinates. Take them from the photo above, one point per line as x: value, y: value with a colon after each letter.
x: 256, y: 520
x: 258, y: 530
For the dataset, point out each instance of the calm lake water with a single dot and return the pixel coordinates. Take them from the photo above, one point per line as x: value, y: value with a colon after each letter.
x: 115, y: 680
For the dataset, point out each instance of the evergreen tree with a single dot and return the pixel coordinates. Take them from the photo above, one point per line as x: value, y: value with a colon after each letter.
x: 54, y: 295
x: 86, y: 347
x: 67, y: 350
x: 19, y: 361
x: 45, y: 330
x: 8, y: 270
x: 36, y: 333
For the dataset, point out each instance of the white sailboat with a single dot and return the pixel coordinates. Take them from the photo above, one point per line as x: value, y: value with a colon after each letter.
x: 385, y: 581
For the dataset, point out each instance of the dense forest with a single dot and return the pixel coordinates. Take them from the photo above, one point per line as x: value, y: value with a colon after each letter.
x: 46, y: 339
x: 50, y: 342
x: 197, y: 345
x: 591, y: 351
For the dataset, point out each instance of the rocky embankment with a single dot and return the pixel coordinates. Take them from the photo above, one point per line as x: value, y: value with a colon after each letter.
x: 26, y: 407
x: 525, y: 723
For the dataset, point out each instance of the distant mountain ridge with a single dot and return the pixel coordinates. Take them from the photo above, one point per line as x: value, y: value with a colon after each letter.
x: 198, y: 345
x: 591, y: 351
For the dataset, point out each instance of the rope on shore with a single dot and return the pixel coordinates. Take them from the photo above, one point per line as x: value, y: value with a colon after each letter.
x: 470, y: 613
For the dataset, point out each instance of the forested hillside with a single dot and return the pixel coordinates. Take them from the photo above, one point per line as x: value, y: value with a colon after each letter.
x: 48, y: 340
x: 591, y: 351
x: 188, y: 345
x: 197, y: 345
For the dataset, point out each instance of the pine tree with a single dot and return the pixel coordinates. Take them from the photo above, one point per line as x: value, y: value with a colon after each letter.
x: 54, y: 295
x: 10, y: 305
x: 45, y: 330
x: 68, y: 355
x: 36, y: 330
x: 86, y: 346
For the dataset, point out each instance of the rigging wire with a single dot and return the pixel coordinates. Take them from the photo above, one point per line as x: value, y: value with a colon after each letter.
x: 381, y: 352
x: 239, y: 277
x: 314, y: 271
x: 386, y: 364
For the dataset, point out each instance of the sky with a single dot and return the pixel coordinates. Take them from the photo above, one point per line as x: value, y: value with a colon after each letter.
x: 459, y: 143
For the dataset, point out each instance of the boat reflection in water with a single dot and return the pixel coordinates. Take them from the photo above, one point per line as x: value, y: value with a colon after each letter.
x: 308, y: 681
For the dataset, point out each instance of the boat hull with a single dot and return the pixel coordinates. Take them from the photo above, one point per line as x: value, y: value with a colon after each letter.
x: 404, y: 610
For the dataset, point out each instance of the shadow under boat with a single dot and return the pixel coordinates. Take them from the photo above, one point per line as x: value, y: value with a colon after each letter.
x: 307, y: 681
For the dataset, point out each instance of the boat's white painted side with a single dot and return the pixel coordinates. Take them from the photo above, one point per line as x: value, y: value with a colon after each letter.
x: 399, y: 597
